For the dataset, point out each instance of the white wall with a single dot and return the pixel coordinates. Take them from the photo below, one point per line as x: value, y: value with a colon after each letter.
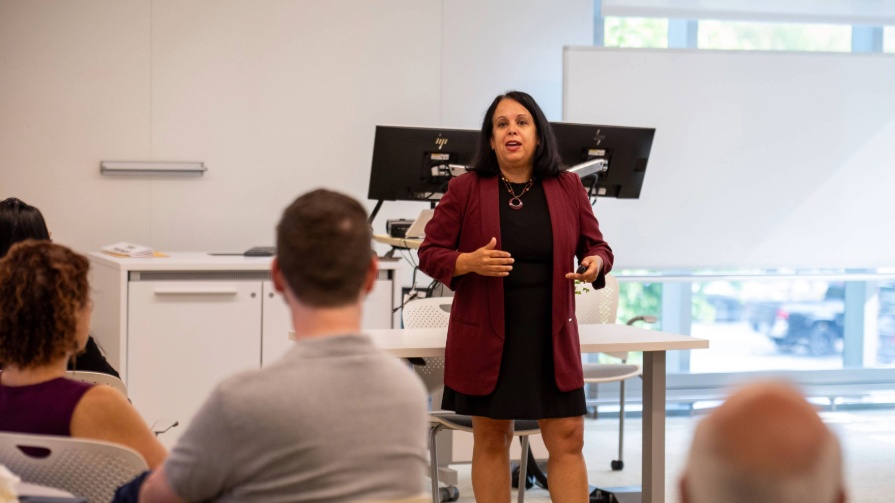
x: 276, y: 97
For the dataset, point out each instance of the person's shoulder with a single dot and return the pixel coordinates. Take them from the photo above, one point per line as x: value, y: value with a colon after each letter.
x: 246, y: 381
x: 403, y: 382
x: 464, y: 179
x: 570, y: 182
x: 102, y: 397
x: 567, y: 178
x: 100, y: 402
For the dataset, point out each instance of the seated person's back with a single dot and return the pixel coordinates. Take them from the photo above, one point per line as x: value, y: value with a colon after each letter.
x: 44, y: 408
x: 335, y: 419
x: 20, y: 221
x: 44, y: 319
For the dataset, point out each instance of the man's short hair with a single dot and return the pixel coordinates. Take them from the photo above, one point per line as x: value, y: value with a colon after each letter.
x: 766, y: 443
x: 324, y: 248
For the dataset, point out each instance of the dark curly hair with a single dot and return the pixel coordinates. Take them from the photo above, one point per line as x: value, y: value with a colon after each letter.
x: 547, y: 161
x: 43, y: 289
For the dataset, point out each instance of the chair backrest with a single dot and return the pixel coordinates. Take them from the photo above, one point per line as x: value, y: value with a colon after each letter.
x: 433, y: 312
x: 97, y: 378
x: 87, y: 468
x: 598, y: 306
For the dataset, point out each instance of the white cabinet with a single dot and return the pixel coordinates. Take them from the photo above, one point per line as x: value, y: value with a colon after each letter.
x: 174, y: 327
x: 276, y: 322
x: 185, y: 337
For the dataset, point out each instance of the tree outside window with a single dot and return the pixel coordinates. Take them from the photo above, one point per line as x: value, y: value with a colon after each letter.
x: 636, y: 32
x: 738, y: 35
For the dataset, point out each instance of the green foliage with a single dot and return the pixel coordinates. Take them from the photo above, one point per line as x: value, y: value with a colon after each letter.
x: 774, y: 36
x: 701, y: 309
x: 635, y: 32
x: 635, y: 299
x: 581, y: 287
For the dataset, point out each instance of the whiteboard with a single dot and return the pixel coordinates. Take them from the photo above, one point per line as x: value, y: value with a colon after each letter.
x: 761, y: 159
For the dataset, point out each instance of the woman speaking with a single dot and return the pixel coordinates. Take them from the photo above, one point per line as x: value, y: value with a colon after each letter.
x: 505, y: 238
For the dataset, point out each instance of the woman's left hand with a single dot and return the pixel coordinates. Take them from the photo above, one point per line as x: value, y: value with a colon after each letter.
x: 594, y: 264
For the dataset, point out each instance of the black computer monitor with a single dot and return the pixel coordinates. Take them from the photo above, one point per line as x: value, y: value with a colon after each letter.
x: 626, y: 150
x: 415, y: 164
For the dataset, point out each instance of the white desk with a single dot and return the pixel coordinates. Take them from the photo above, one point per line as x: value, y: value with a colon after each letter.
x: 409, y: 243
x: 594, y: 339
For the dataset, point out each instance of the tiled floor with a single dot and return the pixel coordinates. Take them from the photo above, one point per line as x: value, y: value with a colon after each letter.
x: 868, y: 438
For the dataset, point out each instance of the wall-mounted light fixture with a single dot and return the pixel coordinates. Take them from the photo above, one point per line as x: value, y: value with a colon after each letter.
x: 151, y: 168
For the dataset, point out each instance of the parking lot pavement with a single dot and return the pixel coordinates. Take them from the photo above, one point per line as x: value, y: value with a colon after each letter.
x: 735, y: 347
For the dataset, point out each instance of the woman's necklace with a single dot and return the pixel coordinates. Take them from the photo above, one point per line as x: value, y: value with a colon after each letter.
x: 516, y: 201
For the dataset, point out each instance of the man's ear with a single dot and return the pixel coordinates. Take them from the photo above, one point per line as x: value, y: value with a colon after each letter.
x: 372, y: 274
x: 279, y: 283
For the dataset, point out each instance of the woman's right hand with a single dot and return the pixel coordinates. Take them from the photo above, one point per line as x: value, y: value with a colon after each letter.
x: 486, y: 261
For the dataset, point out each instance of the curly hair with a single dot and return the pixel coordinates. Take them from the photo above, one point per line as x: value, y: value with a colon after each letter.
x: 43, y: 289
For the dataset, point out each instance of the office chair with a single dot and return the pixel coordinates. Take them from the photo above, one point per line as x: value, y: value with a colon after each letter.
x: 158, y: 427
x: 86, y: 468
x: 601, y: 306
x: 431, y: 313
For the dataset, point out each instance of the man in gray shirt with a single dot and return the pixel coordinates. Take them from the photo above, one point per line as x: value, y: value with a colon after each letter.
x: 335, y: 419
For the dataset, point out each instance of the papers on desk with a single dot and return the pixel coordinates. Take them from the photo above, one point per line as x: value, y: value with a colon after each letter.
x: 131, y: 250
x: 417, y: 229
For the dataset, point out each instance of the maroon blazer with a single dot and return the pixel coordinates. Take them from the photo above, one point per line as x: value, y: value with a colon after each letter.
x: 466, y: 219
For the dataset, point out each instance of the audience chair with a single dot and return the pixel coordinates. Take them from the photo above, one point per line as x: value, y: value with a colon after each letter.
x: 158, y: 427
x: 86, y: 468
x: 434, y: 312
x: 601, y: 306
x: 97, y: 378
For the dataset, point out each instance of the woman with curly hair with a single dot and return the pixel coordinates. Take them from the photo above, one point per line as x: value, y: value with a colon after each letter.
x: 20, y: 221
x: 45, y: 312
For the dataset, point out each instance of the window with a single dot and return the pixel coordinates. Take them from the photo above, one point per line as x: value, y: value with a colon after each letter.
x: 889, y: 39
x: 636, y: 32
x: 774, y: 36
x: 768, y: 325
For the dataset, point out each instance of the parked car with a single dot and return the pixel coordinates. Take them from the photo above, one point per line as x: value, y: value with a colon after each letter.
x: 818, y: 326
x: 726, y: 308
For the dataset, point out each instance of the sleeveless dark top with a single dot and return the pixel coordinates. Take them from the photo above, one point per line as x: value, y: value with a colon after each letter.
x: 526, y: 386
x: 43, y: 409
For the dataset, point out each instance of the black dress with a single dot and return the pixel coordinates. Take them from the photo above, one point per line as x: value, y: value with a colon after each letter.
x: 526, y: 386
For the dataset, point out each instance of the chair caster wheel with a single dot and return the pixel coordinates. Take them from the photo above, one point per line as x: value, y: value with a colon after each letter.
x: 617, y: 465
x: 449, y: 493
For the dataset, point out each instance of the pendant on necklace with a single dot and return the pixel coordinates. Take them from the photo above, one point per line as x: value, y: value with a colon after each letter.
x: 516, y: 203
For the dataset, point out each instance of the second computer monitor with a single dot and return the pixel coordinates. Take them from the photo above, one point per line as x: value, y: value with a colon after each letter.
x: 626, y: 150
x: 415, y: 164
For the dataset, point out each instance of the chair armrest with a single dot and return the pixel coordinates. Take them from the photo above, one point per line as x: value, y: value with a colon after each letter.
x: 644, y: 318
x: 163, y: 425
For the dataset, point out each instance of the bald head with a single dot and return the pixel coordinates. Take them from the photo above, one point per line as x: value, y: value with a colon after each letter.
x: 765, y: 443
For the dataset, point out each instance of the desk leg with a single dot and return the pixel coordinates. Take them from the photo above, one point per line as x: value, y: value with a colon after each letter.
x: 653, y: 426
